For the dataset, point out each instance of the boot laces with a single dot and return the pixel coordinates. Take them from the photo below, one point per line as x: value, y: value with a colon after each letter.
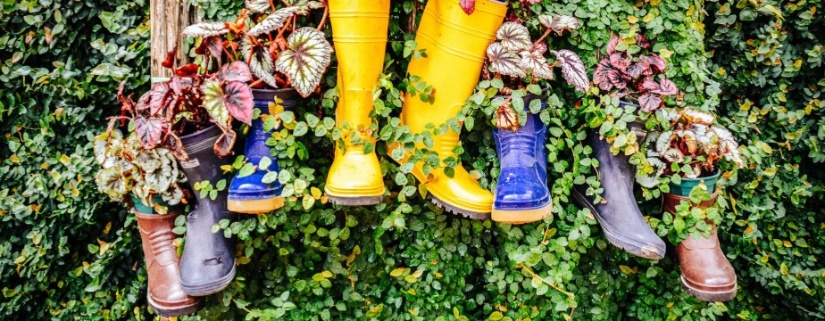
x: 517, y: 150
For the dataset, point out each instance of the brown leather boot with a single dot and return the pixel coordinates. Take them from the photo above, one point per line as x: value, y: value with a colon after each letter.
x: 165, y: 294
x: 706, y: 272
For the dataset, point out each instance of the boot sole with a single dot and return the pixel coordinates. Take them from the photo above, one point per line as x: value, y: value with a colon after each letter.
x: 458, y: 211
x: 173, y: 311
x: 629, y: 246
x: 354, y: 200
x: 261, y: 206
x: 517, y: 217
x: 209, y: 288
x: 709, y: 296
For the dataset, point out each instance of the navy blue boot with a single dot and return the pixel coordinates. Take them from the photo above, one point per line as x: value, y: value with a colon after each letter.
x: 521, y: 195
x: 248, y: 194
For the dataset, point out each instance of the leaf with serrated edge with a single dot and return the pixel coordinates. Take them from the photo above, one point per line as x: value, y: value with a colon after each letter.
x: 559, y: 23
x: 536, y: 64
x: 305, y: 61
x: 150, y: 130
x: 273, y: 21
x: 514, y: 37
x: 238, y: 101
x: 257, y: 5
x: 573, y: 69
x: 503, y: 61
x: 261, y: 64
x: 223, y: 146
x: 214, y: 104
x: 506, y: 118
x: 205, y: 29
x: 236, y: 71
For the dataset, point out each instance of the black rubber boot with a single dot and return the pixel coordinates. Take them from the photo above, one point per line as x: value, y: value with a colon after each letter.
x: 620, y: 218
x: 208, y: 262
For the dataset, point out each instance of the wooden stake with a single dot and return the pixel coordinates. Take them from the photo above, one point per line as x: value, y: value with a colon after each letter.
x: 169, y: 17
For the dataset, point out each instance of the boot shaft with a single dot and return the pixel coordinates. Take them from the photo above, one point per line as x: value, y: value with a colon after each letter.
x: 203, y: 164
x: 157, y: 238
x: 255, y: 146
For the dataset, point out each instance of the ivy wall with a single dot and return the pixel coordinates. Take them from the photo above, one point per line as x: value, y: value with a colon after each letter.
x: 67, y: 253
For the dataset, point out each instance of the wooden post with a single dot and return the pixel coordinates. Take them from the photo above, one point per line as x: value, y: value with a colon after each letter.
x: 169, y: 17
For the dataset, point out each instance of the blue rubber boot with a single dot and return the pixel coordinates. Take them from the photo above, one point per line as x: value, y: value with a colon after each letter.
x: 521, y: 195
x: 249, y: 194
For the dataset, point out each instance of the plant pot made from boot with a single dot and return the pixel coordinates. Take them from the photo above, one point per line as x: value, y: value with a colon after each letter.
x: 622, y: 222
x: 165, y: 293
x: 705, y: 271
x: 248, y: 194
x: 687, y: 184
x: 142, y: 207
x: 208, y: 260
x: 521, y: 195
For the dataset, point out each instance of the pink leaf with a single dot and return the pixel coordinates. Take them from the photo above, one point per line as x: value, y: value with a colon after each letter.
x: 144, y: 102
x: 642, y: 42
x: 619, y: 60
x: 573, y: 69
x: 600, y: 74
x: 617, y: 79
x: 611, y: 45
x: 236, y: 71
x: 159, y: 97
x: 648, y: 84
x: 150, y: 131
x: 238, y: 100
x: 468, y: 6
x: 650, y: 102
x: 666, y: 88
x: 215, y: 46
x: 223, y: 146
x: 638, y: 69
x: 655, y: 62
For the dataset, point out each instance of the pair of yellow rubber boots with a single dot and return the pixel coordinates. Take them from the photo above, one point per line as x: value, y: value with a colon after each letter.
x: 455, y: 45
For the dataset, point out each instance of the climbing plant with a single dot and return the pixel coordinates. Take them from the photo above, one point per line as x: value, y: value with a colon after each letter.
x: 68, y: 253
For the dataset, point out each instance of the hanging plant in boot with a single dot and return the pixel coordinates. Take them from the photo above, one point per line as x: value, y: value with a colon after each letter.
x: 279, y: 53
x: 636, y: 79
x: 691, y: 147
x: 519, y: 63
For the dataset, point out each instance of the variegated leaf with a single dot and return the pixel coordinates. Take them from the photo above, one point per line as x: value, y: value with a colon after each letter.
x: 651, y: 180
x: 214, y: 104
x: 611, y: 45
x: 158, y: 98
x: 506, y: 118
x: 663, y: 142
x: 514, y: 37
x: 559, y: 23
x: 206, y: 29
x: 666, y: 88
x: 306, y: 60
x: 503, y: 61
x: 572, y: 69
x: 236, y: 71
x: 151, y: 130
x: 273, y: 21
x: 650, y: 102
x: 238, y: 101
x: 698, y: 117
x: 223, y: 146
x: 260, y: 62
x: 535, y: 64
x: 260, y: 6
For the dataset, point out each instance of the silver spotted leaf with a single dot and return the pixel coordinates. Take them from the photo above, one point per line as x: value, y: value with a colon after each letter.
x: 572, y: 69
x: 273, y: 21
x: 504, y: 62
x: 260, y: 62
x: 306, y: 59
x: 214, y: 104
x: 206, y: 29
x: 535, y: 64
x: 559, y: 23
x: 514, y: 37
x: 259, y: 6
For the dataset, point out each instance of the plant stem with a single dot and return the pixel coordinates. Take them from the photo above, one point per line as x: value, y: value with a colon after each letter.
x: 546, y: 33
x: 326, y: 14
x: 552, y: 285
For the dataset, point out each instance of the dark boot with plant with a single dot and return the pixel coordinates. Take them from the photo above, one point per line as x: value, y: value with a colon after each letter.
x: 619, y: 216
x: 705, y: 271
x: 208, y: 261
x: 165, y: 294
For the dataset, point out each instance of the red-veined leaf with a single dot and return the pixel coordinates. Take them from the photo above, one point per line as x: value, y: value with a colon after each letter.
x: 205, y: 29
x: 536, y: 64
x: 159, y: 97
x: 514, y: 37
x: 573, y: 69
x: 503, y: 61
x: 144, y: 101
x: 642, y: 42
x: 238, y: 101
x: 273, y: 21
x: 213, y: 102
x: 559, y: 23
x: 223, y: 146
x: 619, y: 60
x: 539, y: 48
x: 260, y: 62
x: 236, y: 71
x: 617, y: 79
x: 648, y: 84
x: 611, y: 45
x: 667, y: 87
x: 306, y: 59
x: 150, y: 131
x: 213, y: 45
x: 468, y: 6
x: 650, y: 102
x: 506, y: 118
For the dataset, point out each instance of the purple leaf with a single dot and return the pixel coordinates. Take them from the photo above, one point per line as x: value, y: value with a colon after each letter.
x: 619, y: 60
x: 150, y: 131
x: 638, y: 69
x: 648, y: 84
x: 158, y: 100
x: 655, y: 62
x: 573, y: 69
x: 215, y: 46
x: 666, y: 88
x: 174, y: 145
x: 223, y: 146
x: 617, y: 79
x: 600, y: 74
x: 144, y: 101
x: 236, y: 71
x: 238, y: 100
x: 611, y: 45
x: 650, y: 102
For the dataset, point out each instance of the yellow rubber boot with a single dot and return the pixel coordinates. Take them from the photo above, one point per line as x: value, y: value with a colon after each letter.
x: 359, y: 32
x: 455, y: 45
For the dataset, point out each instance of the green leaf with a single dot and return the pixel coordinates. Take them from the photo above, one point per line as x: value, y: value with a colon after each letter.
x: 246, y: 170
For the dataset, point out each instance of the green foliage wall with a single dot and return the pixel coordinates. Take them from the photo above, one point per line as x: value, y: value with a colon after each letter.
x: 66, y: 253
